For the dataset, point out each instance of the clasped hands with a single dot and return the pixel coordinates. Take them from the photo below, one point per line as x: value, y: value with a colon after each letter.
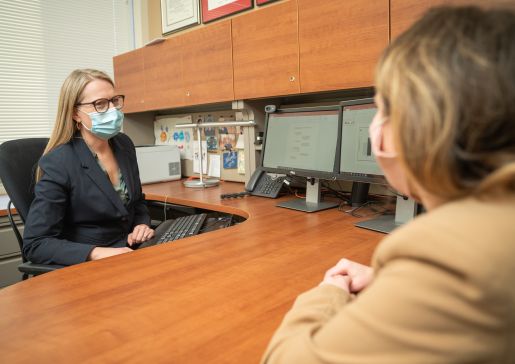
x: 349, y: 276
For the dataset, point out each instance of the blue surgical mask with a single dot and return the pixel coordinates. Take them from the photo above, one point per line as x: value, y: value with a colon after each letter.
x: 105, y: 124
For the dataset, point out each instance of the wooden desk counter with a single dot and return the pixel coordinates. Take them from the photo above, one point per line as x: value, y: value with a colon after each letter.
x: 212, y: 298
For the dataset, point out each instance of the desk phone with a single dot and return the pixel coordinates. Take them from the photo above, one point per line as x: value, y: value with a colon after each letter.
x: 265, y: 185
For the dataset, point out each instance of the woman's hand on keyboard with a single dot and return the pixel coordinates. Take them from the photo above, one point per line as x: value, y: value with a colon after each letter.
x: 140, y: 234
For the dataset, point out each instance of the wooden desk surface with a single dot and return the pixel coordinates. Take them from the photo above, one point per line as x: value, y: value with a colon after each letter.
x: 212, y: 298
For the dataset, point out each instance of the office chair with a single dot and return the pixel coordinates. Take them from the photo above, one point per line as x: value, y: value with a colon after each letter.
x: 18, y: 163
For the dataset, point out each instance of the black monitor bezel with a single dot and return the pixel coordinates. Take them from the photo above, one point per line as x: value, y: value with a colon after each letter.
x: 305, y: 172
x: 350, y: 176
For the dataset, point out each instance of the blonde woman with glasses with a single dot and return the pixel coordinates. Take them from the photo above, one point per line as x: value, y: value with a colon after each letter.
x: 441, y: 288
x: 88, y: 201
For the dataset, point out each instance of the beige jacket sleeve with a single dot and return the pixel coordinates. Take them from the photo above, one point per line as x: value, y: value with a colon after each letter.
x: 394, y: 320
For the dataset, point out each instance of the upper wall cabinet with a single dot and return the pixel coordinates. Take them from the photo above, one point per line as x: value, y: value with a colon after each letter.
x: 340, y: 42
x: 291, y: 47
x: 207, y: 74
x: 189, y: 69
x: 163, y: 79
x: 266, y: 52
x: 150, y: 77
x: 405, y: 12
x: 129, y: 78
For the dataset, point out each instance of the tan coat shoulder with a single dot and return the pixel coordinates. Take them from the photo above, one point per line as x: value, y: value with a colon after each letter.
x: 442, y: 293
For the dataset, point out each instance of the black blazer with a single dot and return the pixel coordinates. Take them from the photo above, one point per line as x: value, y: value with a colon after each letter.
x: 76, y: 208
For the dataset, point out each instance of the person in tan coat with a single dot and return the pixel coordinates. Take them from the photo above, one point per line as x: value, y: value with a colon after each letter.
x: 441, y: 288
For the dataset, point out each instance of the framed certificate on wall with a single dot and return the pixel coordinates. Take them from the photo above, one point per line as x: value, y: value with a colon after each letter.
x: 215, y: 9
x: 178, y: 14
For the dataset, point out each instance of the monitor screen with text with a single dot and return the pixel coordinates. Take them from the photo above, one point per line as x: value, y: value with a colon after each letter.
x: 305, y: 140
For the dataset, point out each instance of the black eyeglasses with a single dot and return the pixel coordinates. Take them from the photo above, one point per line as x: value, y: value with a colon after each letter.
x: 102, y: 105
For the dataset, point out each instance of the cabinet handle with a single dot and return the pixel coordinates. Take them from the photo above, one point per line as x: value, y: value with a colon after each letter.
x: 187, y: 93
x: 292, y: 78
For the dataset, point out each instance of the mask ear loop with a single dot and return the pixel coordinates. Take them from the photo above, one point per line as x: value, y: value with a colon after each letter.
x: 85, y: 127
x: 80, y: 124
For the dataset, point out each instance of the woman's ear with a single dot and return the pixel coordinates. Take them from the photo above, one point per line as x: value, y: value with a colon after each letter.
x: 75, y: 116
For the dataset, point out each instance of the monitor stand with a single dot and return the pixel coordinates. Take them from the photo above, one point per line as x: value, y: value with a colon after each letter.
x: 359, y: 194
x: 313, y: 201
x: 405, y: 210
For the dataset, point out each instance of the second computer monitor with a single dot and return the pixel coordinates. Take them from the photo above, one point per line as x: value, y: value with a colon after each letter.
x: 357, y: 163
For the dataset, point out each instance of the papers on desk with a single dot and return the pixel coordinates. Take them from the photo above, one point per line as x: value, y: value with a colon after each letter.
x: 196, y: 158
x: 214, y: 165
x: 241, y: 162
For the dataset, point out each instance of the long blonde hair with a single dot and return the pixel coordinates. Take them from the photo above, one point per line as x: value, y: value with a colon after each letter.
x: 71, y: 91
x: 448, y: 84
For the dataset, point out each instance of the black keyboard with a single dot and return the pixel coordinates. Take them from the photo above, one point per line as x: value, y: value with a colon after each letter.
x: 171, y: 230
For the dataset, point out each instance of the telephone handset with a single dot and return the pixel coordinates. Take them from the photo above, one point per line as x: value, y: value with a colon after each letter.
x: 254, y: 179
x: 265, y: 185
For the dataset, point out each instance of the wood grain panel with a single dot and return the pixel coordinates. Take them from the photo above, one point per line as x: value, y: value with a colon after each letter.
x: 207, y: 64
x: 129, y: 79
x: 212, y: 298
x: 340, y: 42
x: 266, y: 53
x: 405, y: 12
x: 163, y: 78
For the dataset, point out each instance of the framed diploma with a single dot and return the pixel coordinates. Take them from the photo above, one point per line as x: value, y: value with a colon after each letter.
x: 215, y: 9
x: 178, y: 14
x: 261, y: 2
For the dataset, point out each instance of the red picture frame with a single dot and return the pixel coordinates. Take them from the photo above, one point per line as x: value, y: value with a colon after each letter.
x: 232, y: 7
x: 262, y: 2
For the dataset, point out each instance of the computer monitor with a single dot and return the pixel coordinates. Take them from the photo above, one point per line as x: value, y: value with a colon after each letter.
x: 357, y: 164
x: 303, y: 142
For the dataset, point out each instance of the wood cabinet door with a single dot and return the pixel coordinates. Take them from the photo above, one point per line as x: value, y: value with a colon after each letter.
x: 265, y: 52
x: 207, y: 64
x: 129, y: 79
x: 405, y: 12
x: 340, y: 42
x: 163, y: 79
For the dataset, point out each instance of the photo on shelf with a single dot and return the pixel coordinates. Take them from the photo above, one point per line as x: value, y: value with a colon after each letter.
x: 209, y: 132
x: 230, y: 160
x: 227, y: 130
x: 227, y: 141
x: 212, y: 144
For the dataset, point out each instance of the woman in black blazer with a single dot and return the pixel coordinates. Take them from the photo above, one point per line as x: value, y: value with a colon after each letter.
x: 88, y: 202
